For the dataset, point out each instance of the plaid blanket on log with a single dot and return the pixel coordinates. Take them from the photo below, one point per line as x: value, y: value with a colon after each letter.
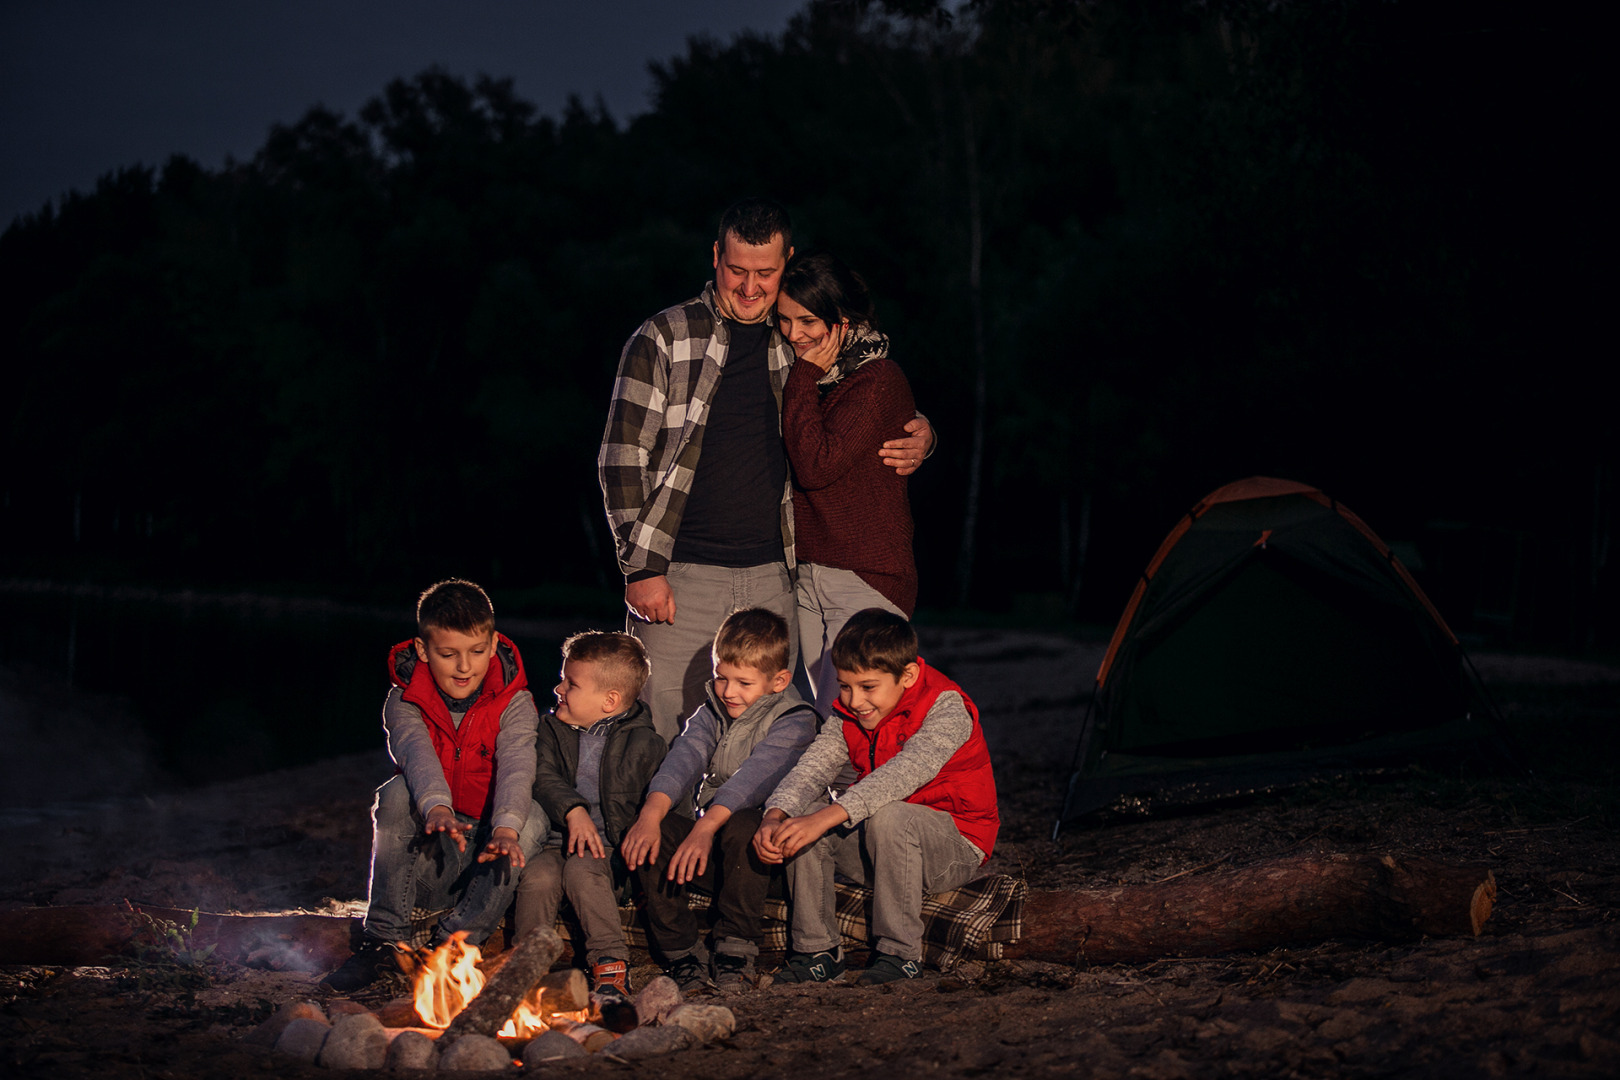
x: 970, y: 923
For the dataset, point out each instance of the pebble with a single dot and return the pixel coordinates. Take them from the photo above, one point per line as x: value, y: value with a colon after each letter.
x: 647, y: 1042
x: 707, y: 1022
x: 357, y: 1041
x: 268, y: 1032
x: 550, y: 1046
x: 411, y: 1050
x: 303, y: 1038
x: 476, y: 1053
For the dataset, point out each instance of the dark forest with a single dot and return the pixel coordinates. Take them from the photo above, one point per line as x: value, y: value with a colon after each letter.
x: 1127, y: 250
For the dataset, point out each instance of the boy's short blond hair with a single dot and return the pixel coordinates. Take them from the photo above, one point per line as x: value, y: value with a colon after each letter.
x: 620, y: 659
x: 454, y: 604
x: 875, y: 640
x: 753, y: 637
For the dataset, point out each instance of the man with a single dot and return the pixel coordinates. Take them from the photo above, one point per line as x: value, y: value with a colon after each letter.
x: 692, y: 466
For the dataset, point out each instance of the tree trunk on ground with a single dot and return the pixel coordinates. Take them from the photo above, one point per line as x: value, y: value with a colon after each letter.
x: 1293, y: 901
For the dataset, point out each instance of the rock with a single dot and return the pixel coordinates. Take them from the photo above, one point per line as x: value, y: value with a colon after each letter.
x: 303, y: 1038
x: 357, y: 1041
x: 707, y: 1022
x: 476, y: 1053
x: 411, y: 1050
x: 550, y: 1046
x: 345, y: 1007
x: 268, y: 1032
x: 658, y: 999
x: 399, y: 1013
x: 647, y: 1042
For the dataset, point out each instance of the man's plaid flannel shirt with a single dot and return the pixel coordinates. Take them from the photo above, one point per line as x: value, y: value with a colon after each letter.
x: 668, y: 375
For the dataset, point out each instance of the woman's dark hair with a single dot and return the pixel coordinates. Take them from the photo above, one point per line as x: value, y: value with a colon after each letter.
x: 829, y: 290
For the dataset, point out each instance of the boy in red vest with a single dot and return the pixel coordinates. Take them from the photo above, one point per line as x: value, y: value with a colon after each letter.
x: 458, y: 820
x: 922, y: 808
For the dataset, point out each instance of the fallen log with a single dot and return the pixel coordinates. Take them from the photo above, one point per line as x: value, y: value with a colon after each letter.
x: 524, y: 968
x: 1293, y: 901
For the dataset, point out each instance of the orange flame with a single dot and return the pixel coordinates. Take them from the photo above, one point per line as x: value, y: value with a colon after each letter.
x: 447, y: 979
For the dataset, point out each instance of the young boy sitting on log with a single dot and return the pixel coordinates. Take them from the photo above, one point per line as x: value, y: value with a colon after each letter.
x: 596, y: 752
x: 457, y: 821
x: 922, y: 810
x: 732, y: 753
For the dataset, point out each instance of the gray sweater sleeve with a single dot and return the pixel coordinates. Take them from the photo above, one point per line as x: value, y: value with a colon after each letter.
x: 818, y: 766
x: 514, y: 762
x: 772, y: 757
x: 688, y: 756
x: 411, y: 747
x: 943, y: 732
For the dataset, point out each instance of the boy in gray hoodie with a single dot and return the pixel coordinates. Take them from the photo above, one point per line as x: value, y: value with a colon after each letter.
x: 732, y: 753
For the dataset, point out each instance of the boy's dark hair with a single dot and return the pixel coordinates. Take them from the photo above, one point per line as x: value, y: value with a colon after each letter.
x: 829, y: 290
x: 620, y: 659
x: 456, y: 605
x: 753, y: 637
x: 875, y: 640
x: 755, y: 221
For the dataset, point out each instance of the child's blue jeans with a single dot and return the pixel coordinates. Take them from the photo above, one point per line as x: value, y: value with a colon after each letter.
x: 412, y: 869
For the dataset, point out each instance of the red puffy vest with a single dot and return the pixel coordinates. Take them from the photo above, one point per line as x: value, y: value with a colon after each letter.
x: 965, y: 788
x: 467, y: 753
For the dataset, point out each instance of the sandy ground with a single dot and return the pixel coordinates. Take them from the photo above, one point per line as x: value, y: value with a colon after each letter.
x: 1537, y: 993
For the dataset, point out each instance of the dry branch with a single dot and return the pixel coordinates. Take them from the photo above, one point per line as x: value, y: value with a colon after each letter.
x: 1291, y: 901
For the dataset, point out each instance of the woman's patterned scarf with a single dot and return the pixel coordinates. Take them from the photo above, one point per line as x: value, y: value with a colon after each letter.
x: 862, y: 344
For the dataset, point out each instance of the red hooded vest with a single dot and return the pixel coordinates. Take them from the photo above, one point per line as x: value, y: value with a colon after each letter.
x: 467, y: 753
x: 964, y: 788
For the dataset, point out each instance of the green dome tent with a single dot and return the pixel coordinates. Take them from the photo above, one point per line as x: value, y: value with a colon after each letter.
x: 1273, y: 636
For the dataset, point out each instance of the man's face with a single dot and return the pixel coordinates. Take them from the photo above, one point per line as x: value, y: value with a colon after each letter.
x: 746, y: 276
x: 457, y: 661
x: 871, y: 695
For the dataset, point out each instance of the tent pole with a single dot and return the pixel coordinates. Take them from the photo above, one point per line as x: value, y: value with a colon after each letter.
x: 1074, y: 762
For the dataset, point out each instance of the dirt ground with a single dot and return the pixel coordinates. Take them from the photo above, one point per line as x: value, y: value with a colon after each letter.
x: 1538, y: 993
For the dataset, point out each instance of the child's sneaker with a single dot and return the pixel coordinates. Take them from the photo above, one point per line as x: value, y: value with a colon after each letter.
x: 609, y: 976
x: 370, y: 962
x: 823, y: 966
x: 734, y: 974
x: 885, y: 968
x: 691, y: 974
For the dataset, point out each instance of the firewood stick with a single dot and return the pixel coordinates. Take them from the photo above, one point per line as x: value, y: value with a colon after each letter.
x: 1290, y: 901
x: 528, y: 963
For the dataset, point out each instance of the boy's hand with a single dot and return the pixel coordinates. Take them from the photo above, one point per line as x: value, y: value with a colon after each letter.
x: 640, y: 842
x: 582, y: 835
x: 691, y: 859
x: 796, y: 834
x: 765, y: 843
x: 906, y: 455
x: 503, y: 841
x: 442, y: 819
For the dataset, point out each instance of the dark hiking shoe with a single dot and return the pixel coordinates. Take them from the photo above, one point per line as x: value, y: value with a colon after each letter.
x: 886, y: 968
x: 734, y: 974
x: 691, y: 974
x: 813, y: 967
x: 374, y: 959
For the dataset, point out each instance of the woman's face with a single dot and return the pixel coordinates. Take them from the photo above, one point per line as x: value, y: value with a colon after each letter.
x: 803, y: 330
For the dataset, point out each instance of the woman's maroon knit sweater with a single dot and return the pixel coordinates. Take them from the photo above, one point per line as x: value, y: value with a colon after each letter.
x: 850, y: 509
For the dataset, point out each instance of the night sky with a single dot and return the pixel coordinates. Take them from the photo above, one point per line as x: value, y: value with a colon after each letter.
x: 88, y: 85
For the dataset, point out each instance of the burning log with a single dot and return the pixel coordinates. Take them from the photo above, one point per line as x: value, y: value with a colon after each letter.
x: 526, y: 965
x: 1302, y: 899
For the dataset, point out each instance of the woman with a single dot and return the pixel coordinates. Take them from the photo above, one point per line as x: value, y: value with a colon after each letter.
x: 843, y: 398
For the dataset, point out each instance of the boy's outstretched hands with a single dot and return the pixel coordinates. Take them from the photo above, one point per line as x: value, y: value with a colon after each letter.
x: 583, y: 839
x: 503, y: 842
x: 442, y: 819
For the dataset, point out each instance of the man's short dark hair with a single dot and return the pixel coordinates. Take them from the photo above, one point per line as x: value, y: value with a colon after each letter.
x: 455, y: 605
x: 620, y: 659
x: 755, y: 221
x: 875, y: 640
x: 753, y: 637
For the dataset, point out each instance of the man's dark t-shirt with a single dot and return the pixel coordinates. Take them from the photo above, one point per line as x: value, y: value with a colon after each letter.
x: 733, y: 514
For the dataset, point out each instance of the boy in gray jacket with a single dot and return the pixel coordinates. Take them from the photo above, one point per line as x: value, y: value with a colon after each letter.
x: 733, y: 752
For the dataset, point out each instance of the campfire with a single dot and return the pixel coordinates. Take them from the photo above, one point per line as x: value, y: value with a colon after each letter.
x: 448, y: 978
